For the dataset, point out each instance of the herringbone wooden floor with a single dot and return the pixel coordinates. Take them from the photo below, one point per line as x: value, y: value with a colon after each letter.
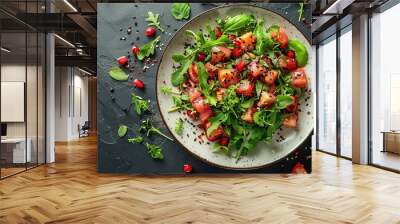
x: 71, y: 191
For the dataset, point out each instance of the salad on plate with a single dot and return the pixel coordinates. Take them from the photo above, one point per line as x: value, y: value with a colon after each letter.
x: 241, y: 81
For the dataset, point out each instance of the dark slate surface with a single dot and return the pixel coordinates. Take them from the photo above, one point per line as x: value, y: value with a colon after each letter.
x: 116, y: 155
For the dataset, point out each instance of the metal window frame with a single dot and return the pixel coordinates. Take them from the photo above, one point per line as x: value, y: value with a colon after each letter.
x: 339, y: 32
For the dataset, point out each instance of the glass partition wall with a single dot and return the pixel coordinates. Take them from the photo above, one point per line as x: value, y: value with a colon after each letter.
x: 334, y: 104
x: 22, y: 77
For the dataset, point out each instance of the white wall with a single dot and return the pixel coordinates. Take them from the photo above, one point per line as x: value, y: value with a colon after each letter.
x: 71, y: 102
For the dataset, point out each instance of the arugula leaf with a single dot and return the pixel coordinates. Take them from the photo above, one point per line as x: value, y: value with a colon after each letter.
x: 181, y: 102
x: 179, y: 126
x: 153, y: 20
x: 248, y: 103
x: 140, y: 104
x: 138, y: 139
x: 154, y: 151
x: 230, y: 102
x: 178, y: 76
x: 180, y: 11
x: 211, y: 32
x: 122, y: 130
x: 167, y: 90
x: 179, y: 58
x: 199, y: 38
x: 147, y: 128
x: 118, y: 74
x: 211, y: 43
x: 238, y: 23
x: 264, y: 40
x: 275, y: 119
x: 283, y: 101
x: 148, y: 49
x: 216, y: 122
x: 203, y: 78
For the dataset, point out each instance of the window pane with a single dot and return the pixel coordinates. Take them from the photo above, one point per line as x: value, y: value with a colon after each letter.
x: 385, y: 84
x: 346, y: 94
x: 327, y: 96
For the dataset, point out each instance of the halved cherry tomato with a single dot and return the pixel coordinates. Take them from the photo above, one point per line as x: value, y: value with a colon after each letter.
x: 227, y: 77
x: 219, y: 54
x: 240, y: 66
x: 281, y: 37
x: 248, y: 115
x: 299, y: 78
x: 287, y: 63
x: 266, y: 99
x: 290, y: 121
x: 216, y: 134
x: 220, y: 92
x: 192, y: 114
x: 245, y: 88
x: 271, y: 76
x: 193, y: 74
x: 255, y: 70
x: 211, y: 70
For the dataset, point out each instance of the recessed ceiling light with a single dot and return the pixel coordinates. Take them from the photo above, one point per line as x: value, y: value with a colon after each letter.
x: 5, y: 50
x: 64, y: 40
x: 70, y: 5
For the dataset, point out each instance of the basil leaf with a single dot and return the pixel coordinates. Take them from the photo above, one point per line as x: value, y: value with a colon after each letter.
x: 178, y: 76
x: 118, y: 74
x: 238, y: 23
x: 283, y: 101
x: 148, y: 49
x: 300, y: 51
x: 122, y: 130
x: 180, y: 11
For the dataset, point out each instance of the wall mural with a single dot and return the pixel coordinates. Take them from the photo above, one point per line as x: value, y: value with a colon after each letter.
x: 204, y: 88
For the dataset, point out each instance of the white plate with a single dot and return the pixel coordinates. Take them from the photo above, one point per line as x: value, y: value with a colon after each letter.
x: 263, y: 154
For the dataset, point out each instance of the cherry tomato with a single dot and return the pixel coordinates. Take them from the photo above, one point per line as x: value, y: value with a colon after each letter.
x: 135, y: 50
x: 138, y: 83
x: 237, y: 52
x: 224, y: 141
x: 187, y: 168
x: 240, y: 65
x: 218, y: 31
x: 201, y: 57
x: 150, y: 31
x: 123, y: 60
x: 291, y: 54
x: 237, y: 43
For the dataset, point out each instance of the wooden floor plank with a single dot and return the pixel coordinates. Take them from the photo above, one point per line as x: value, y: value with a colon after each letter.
x: 71, y: 191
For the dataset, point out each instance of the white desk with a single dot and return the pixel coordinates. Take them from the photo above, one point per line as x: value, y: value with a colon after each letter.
x: 18, y: 149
